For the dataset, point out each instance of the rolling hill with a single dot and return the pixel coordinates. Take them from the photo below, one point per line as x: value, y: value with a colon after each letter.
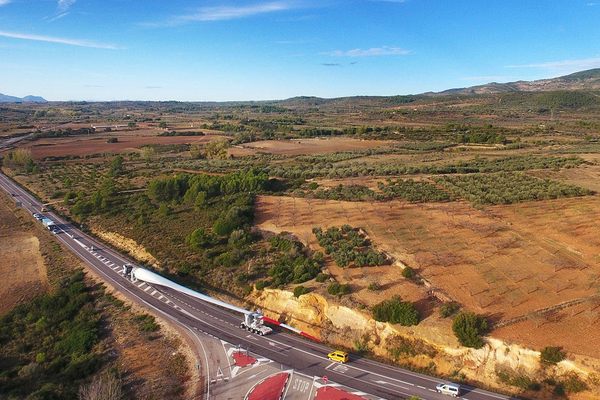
x: 27, y: 99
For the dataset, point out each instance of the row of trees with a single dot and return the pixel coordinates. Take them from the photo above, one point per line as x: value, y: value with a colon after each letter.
x: 187, y: 187
x: 20, y: 160
x: 389, y: 168
x: 413, y: 191
x: 508, y: 188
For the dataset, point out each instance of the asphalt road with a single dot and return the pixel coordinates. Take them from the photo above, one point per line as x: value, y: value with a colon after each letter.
x: 290, y: 350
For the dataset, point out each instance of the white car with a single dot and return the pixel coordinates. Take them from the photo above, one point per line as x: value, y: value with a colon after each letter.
x: 451, y: 389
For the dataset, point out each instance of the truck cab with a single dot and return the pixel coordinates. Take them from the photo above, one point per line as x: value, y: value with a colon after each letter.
x: 253, y: 322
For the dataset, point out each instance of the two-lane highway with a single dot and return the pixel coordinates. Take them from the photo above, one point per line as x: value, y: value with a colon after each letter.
x: 297, y: 353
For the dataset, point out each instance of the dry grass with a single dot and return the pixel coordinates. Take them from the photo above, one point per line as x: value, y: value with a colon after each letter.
x: 307, y: 146
x: 21, y: 263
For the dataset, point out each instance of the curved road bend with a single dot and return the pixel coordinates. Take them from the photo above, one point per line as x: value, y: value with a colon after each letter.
x: 293, y: 351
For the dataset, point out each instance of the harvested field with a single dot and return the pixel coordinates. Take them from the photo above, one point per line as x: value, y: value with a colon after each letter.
x: 587, y: 176
x: 96, y: 143
x: 307, y: 146
x: 21, y: 264
x: 505, y: 261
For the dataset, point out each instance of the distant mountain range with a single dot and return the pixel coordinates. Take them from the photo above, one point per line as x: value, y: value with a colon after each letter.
x: 27, y: 99
x: 584, y: 80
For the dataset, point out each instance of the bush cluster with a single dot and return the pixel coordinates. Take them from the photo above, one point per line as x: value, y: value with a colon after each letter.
x: 349, y: 247
x: 396, y: 311
x: 292, y: 262
x: 469, y: 329
x: 48, y: 344
x: 552, y: 355
x: 338, y: 289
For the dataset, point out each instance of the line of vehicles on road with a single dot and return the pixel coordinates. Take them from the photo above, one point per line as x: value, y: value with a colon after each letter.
x: 47, y: 222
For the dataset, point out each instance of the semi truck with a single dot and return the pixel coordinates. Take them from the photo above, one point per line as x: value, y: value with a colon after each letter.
x: 51, y: 225
x: 48, y: 223
x: 253, y: 321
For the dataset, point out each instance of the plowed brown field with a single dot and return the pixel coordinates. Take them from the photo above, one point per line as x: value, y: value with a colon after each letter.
x: 97, y: 143
x: 504, y: 261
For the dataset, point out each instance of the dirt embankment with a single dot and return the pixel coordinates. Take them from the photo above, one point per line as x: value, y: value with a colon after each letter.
x: 424, y: 347
x: 129, y: 245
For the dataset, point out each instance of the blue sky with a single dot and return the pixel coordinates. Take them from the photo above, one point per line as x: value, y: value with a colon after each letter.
x: 274, y: 49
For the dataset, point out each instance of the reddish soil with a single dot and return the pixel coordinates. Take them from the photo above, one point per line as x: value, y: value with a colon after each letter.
x: 242, y: 359
x: 270, y: 388
x: 331, y: 393
x: 96, y: 143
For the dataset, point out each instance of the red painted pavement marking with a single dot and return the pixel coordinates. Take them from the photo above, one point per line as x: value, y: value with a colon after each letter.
x: 243, y: 359
x: 270, y: 388
x: 331, y: 393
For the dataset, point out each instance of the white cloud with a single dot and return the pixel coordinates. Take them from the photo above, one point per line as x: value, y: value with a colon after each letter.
x: 64, y: 5
x: 51, y: 39
x: 224, y: 13
x: 372, y: 52
x: 577, y: 64
x: 4, y: 2
x: 57, y: 16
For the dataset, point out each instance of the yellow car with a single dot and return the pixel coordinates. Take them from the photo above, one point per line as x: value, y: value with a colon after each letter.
x: 338, y: 356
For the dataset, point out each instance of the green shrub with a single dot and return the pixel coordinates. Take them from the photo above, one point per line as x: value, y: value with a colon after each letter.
x: 552, y: 355
x: 408, y: 273
x: 338, y: 289
x: 374, y: 286
x: 469, y: 328
x: 521, y: 381
x: 321, y: 277
x: 147, y: 323
x: 199, y: 239
x: 449, y: 309
x: 260, y: 285
x: 300, y: 290
x: 573, y: 384
x: 396, y: 311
